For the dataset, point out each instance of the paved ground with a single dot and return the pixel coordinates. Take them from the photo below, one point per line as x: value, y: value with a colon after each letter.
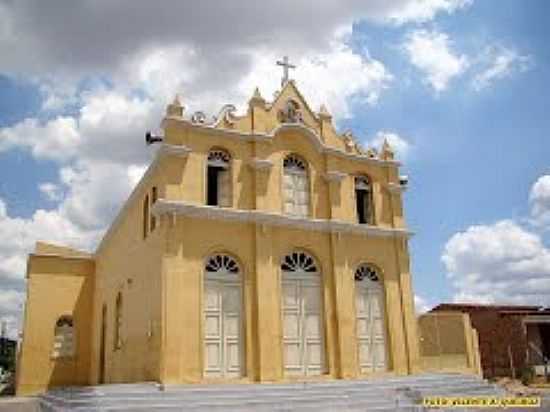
x: 19, y: 404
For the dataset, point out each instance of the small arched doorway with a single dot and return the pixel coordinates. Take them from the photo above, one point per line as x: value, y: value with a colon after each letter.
x: 303, y: 321
x: 222, y: 317
x: 370, y: 320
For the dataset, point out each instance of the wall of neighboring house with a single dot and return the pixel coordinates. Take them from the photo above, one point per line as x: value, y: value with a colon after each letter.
x: 448, y: 342
x: 502, y: 339
x: 56, y: 286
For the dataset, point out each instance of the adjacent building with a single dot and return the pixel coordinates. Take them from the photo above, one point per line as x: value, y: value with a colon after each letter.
x: 511, y: 337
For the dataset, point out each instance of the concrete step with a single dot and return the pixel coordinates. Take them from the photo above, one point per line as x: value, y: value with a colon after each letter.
x: 368, y: 394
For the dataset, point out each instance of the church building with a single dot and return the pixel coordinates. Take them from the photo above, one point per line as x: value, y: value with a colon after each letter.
x: 259, y: 247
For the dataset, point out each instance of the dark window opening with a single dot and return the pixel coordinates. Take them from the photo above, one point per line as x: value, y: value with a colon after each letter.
x: 363, y: 212
x: 213, y: 195
x: 153, y: 200
x: 145, y: 216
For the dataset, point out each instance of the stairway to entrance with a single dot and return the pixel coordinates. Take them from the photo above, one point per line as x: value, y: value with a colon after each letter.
x: 377, y: 394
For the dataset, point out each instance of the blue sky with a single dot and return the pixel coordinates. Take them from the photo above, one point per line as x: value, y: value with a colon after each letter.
x: 460, y: 87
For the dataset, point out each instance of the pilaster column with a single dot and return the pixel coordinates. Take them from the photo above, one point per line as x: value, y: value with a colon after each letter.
x: 267, y: 309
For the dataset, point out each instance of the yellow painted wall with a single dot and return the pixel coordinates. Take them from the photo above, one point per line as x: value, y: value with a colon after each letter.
x: 128, y: 264
x: 56, y: 286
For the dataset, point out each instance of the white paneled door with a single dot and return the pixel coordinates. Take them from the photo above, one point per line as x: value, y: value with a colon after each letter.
x: 223, y: 343
x: 303, y: 333
x: 371, y: 330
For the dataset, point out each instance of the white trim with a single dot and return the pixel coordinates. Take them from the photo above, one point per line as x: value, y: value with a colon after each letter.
x: 174, y: 150
x: 536, y: 319
x: 335, y: 176
x: 260, y: 217
x: 268, y: 137
x: 395, y: 188
x: 261, y: 164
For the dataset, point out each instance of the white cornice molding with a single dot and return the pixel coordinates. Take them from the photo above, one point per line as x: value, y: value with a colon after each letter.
x: 395, y: 188
x: 174, y: 207
x: 268, y: 138
x: 261, y: 164
x: 173, y: 150
x: 335, y: 176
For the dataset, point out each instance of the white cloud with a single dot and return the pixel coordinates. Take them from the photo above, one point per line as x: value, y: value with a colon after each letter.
x: 421, y: 305
x: 501, y: 263
x: 56, y: 139
x: 431, y: 52
x: 400, y: 146
x: 539, y: 199
x: 51, y: 191
x: 424, y: 10
x: 498, y: 63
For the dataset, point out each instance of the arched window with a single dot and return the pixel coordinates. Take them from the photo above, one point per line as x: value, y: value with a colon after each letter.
x: 363, y: 200
x: 295, y: 186
x: 145, y: 216
x: 366, y: 271
x: 154, y: 195
x: 299, y: 262
x: 221, y: 263
x: 218, y: 176
x: 118, y: 322
x: 64, y: 344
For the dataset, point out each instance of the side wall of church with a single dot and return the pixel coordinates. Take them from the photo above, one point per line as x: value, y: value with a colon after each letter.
x: 130, y: 265
x: 57, y: 287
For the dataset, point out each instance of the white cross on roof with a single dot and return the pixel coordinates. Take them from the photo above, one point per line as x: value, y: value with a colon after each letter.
x: 286, y: 65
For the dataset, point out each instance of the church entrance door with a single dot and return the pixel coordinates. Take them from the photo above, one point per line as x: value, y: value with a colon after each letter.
x: 371, y: 330
x: 303, y: 328
x: 223, y: 343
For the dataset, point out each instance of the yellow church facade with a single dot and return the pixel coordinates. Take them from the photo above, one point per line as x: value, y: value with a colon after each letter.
x: 263, y: 247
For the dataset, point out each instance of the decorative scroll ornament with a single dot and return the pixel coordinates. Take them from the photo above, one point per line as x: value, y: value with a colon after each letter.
x: 299, y: 262
x: 221, y: 263
x: 372, y: 152
x: 198, y: 117
x: 366, y: 271
x: 291, y: 113
x: 226, y: 114
x: 351, y: 143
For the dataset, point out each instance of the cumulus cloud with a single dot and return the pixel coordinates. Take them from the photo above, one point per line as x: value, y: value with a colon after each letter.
x: 497, y: 63
x: 33, y: 26
x: 400, y: 145
x: 57, y: 139
x: 539, y: 199
x: 432, y: 53
x: 502, y: 262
